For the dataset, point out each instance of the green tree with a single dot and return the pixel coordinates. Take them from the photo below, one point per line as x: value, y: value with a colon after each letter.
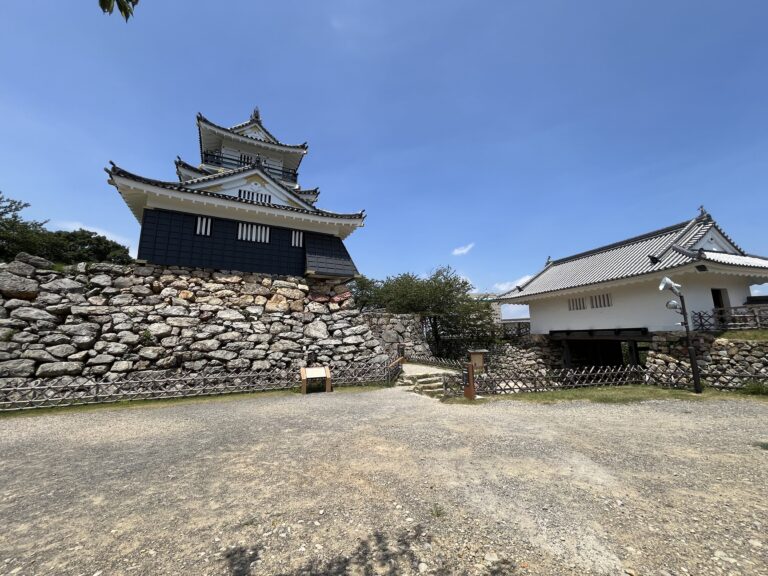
x: 125, y: 7
x: 366, y: 292
x: 17, y: 234
x: 453, y: 318
x: 84, y: 246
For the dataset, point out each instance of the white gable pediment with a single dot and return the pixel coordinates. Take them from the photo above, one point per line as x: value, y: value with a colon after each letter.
x: 714, y: 241
x: 252, y: 186
x: 255, y: 132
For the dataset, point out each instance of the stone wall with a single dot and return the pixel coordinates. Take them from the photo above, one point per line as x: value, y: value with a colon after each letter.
x: 670, y: 349
x: 530, y: 352
x: 103, y: 319
x: 395, y: 329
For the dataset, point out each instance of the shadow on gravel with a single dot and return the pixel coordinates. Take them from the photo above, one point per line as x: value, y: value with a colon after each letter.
x: 377, y: 555
x: 239, y: 560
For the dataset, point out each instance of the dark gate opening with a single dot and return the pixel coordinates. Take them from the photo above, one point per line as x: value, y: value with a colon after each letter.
x: 620, y: 347
x: 595, y: 353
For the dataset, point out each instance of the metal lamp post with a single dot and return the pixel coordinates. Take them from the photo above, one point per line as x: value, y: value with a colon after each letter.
x: 676, y: 289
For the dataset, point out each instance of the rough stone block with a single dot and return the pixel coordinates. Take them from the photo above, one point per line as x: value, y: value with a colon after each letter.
x: 53, y: 369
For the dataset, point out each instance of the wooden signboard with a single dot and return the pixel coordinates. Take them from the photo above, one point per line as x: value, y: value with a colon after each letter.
x: 313, y: 373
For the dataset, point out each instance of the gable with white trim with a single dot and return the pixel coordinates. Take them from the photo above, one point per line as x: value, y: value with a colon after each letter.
x: 714, y: 241
x: 254, y: 186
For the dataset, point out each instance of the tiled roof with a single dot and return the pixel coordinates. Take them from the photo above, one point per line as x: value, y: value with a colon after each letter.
x: 310, y: 195
x: 117, y: 171
x: 747, y: 261
x: 246, y: 168
x: 255, y: 120
x: 186, y: 165
x: 294, y: 147
x: 652, y: 252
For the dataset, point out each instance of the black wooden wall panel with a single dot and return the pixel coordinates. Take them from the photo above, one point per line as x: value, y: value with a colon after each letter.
x: 169, y: 238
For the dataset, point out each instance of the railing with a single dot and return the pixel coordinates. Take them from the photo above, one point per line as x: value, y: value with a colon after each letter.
x: 228, y: 161
x: 735, y: 318
x: 512, y: 381
x: 492, y: 381
x: 429, y: 360
x: 512, y: 330
x: 18, y: 394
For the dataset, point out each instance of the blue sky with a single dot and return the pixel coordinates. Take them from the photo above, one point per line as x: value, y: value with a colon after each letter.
x: 484, y: 135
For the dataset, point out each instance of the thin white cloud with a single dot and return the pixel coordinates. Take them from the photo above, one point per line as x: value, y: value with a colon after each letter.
x: 507, y: 286
x: 70, y: 225
x: 462, y: 250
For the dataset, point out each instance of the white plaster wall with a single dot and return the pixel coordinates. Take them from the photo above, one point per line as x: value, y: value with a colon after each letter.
x: 637, y: 305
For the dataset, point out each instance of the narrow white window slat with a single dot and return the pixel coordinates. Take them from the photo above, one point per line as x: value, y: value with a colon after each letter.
x: 252, y: 232
x: 203, y: 226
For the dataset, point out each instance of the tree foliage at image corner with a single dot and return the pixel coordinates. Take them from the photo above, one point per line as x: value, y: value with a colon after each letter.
x: 60, y: 246
x: 125, y: 7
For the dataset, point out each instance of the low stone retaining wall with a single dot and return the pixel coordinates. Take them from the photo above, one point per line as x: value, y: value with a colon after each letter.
x: 668, y: 353
x: 528, y: 352
x: 670, y: 349
x: 104, y: 320
x: 395, y: 329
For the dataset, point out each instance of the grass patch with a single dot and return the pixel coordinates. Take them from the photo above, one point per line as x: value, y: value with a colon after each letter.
x: 744, y: 335
x: 762, y: 445
x: 611, y: 395
x: 754, y: 388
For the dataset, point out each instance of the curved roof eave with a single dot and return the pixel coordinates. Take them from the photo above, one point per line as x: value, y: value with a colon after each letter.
x: 116, y: 171
x: 242, y: 171
x: 279, y: 146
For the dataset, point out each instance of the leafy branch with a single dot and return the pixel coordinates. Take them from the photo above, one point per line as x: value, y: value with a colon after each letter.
x: 125, y: 7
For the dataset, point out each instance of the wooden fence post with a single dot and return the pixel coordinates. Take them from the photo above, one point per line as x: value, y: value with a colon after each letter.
x: 469, y: 389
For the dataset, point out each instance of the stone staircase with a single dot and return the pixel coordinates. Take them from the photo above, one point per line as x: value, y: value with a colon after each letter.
x: 422, y: 379
x: 427, y: 384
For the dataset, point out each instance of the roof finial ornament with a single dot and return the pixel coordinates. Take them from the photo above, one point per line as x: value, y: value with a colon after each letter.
x: 703, y: 211
x: 549, y: 261
x: 256, y: 115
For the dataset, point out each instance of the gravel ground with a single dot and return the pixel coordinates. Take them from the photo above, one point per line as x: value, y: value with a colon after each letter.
x: 386, y: 482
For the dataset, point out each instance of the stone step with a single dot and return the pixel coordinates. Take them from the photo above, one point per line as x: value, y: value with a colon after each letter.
x: 437, y: 381
x: 426, y: 389
x: 431, y: 392
x: 423, y: 378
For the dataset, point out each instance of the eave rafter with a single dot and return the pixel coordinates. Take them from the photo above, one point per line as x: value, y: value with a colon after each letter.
x: 125, y: 181
x: 204, y: 124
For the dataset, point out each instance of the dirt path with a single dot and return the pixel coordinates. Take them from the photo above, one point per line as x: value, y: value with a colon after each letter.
x: 386, y: 482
